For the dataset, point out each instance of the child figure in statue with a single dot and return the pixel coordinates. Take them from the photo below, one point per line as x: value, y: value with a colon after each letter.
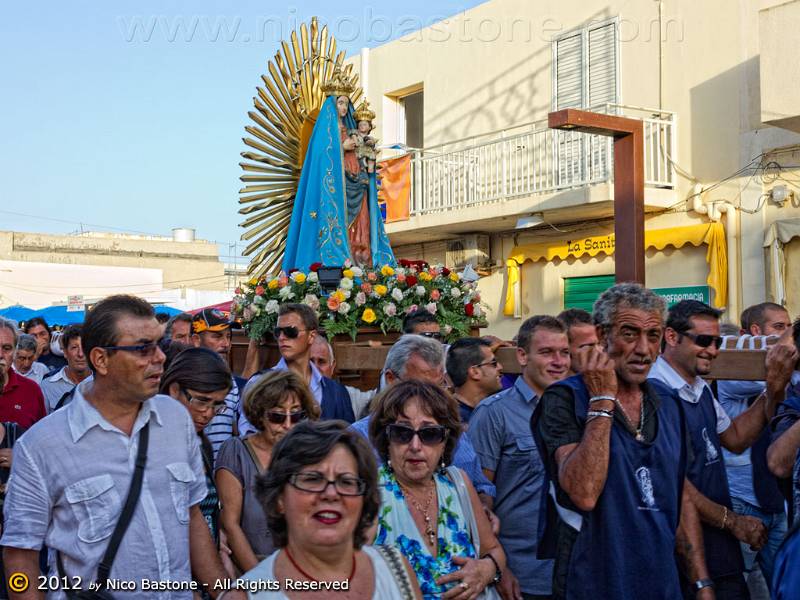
x: 365, y: 143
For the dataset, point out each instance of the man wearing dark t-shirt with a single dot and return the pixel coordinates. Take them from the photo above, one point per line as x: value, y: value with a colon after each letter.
x: 38, y: 328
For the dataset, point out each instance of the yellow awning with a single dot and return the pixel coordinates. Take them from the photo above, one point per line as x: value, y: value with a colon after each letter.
x: 711, y: 234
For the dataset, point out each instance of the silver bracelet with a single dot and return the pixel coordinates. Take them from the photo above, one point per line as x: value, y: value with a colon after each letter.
x: 602, y: 398
x: 593, y: 414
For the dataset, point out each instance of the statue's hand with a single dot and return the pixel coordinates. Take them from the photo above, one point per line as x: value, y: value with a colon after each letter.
x: 349, y: 144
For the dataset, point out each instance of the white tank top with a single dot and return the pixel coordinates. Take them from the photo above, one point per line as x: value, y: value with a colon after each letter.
x: 385, y: 586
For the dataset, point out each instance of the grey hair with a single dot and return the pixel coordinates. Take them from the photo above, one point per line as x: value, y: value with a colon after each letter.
x: 11, y: 326
x: 428, y: 349
x: 26, y: 342
x: 321, y: 339
x: 625, y: 295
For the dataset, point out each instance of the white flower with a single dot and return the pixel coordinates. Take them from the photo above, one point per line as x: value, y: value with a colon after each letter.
x: 249, y: 313
x: 346, y: 283
x: 259, y: 300
x: 272, y: 307
x: 420, y: 291
x: 344, y: 308
x: 312, y: 277
x: 478, y: 311
x: 312, y: 301
x: 448, y: 329
x: 390, y: 309
x: 399, y: 271
x: 431, y: 307
x: 455, y: 292
x: 346, y: 293
x: 361, y: 299
x: 285, y: 293
x: 357, y: 271
x: 397, y: 294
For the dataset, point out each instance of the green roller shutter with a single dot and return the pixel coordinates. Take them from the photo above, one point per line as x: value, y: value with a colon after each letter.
x: 581, y: 292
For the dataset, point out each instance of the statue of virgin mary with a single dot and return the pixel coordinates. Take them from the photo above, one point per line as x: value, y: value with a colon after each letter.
x: 335, y: 215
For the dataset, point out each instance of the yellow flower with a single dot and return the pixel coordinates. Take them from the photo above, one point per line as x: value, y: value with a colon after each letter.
x: 253, y: 282
x: 425, y: 276
x: 348, y: 273
x: 380, y: 290
x: 339, y: 295
x: 299, y: 278
x: 368, y: 316
x: 273, y: 284
x: 387, y: 271
x: 453, y: 276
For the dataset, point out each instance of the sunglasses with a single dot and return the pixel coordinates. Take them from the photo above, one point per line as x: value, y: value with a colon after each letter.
x: 290, y: 332
x: 278, y: 418
x: 147, y: 350
x: 430, y: 435
x: 432, y: 334
x: 203, y: 404
x: 315, y: 482
x: 704, y: 340
x: 492, y: 362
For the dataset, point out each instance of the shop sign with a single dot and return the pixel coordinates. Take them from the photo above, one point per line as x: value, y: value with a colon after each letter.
x: 673, y: 295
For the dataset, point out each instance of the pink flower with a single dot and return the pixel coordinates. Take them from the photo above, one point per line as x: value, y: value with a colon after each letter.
x: 333, y: 303
x: 390, y: 309
x: 238, y: 291
x: 411, y: 309
x: 283, y: 281
x: 372, y: 276
x: 431, y: 307
x: 435, y: 295
x: 259, y: 290
x: 401, y: 278
x: 366, y: 288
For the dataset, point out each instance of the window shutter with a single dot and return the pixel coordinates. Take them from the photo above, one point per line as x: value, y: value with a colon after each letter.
x: 602, y: 65
x: 581, y: 292
x: 569, y: 71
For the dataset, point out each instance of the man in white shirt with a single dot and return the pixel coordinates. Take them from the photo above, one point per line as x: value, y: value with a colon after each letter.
x: 25, y: 362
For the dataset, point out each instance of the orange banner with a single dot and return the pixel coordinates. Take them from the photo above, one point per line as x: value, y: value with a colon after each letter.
x: 395, y: 189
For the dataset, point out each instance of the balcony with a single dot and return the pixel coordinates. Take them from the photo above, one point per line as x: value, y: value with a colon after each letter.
x: 485, y: 183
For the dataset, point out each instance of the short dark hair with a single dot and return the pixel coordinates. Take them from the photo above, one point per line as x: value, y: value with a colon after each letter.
x: 305, y: 312
x: 462, y: 355
x: 433, y: 400
x: 70, y: 333
x: 162, y: 317
x: 757, y: 314
x: 529, y: 327
x: 269, y: 390
x: 183, y: 317
x: 200, y: 369
x: 308, y: 443
x: 100, y: 324
x: 575, y: 316
x: 34, y: 321
x: 796, y: 333
x: 680, y: 315
x: 418, y: 317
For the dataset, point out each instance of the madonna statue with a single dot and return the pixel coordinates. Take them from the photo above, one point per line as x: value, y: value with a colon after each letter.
x: 335, y: 216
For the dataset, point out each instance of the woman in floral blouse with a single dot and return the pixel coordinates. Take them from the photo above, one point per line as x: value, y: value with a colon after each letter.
x: 415, y: 427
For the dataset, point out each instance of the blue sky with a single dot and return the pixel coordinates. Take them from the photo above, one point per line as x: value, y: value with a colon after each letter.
x: 129, y: 115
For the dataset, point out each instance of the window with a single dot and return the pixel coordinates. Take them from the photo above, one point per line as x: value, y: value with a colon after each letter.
x: 411, y: 126
x: 585, y: 67
x: 581, y: 292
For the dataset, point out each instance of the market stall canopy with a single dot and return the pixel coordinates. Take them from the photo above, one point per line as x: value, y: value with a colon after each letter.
x: 17, y: 313
x: 711, y: 234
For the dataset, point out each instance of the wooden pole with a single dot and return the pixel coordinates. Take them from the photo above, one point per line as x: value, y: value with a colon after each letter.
x: 628, y: 137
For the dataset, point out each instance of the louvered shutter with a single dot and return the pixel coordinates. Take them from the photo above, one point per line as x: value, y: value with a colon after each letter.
x: 581, y: 292
x: 602, y: 78
x: 569, y: 72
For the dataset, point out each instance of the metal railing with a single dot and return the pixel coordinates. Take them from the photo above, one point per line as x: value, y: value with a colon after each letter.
x: 532, y: 159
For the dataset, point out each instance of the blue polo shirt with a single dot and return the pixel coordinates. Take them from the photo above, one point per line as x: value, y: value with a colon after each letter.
x: 500, y: 431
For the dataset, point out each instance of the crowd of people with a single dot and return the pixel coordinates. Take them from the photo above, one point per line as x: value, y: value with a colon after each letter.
x: 609, y: 467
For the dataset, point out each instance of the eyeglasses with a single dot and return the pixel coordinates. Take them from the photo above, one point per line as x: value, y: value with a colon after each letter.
x: 312, y: 481
x: 429, y: 435
x: 492, y: 362
x: 147, y: 350
x: 432, y: 334
x: 204, y: 404
x: 704, y: 340
x: 277, y: 417
x: 290, y: 332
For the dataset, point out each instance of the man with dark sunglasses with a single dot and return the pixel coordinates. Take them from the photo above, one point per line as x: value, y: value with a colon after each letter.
x: 691, y: 343
x: 474, y: 372
x: 295, y: 333
x: 421, y: 322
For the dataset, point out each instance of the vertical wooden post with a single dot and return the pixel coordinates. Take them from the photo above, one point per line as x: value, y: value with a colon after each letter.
x: 628, y: 137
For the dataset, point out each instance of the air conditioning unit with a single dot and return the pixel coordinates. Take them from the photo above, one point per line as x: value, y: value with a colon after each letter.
x: 470, y: 249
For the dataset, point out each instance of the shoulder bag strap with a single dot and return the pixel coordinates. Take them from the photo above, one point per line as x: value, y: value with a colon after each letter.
x: 251, y: 451
x: 104, y: 569
x: 454, y: 474
x: 65, y: 397
x: 394, y: 560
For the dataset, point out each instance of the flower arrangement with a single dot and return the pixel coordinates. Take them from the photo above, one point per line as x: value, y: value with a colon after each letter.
x: 379, y: 297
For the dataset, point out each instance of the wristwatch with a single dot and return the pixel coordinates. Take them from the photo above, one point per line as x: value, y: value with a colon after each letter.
x: 702, y: 583
x: 498, y: 574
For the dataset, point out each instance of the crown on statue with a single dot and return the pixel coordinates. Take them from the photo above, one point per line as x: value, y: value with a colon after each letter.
x: 339, y: 84
x: 363, y: 113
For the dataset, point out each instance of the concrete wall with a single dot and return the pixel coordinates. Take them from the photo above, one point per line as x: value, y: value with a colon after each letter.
x: 779, y: 39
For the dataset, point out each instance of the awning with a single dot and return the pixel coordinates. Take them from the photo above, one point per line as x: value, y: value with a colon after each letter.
x: 711, y: 234
x: 777, y: 235
x: 782, y: 231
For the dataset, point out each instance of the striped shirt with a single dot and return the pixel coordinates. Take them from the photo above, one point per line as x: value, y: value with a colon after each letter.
x: 221, y: 426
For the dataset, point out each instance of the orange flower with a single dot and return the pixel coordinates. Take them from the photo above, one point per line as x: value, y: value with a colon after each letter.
x: 333, y: 302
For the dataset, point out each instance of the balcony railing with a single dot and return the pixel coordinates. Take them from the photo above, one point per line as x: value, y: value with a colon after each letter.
x: 532, y: 159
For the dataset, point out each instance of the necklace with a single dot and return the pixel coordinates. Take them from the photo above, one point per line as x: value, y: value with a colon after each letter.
x: 638, y: 431
x: 307, y: 576
x: 430, y: 531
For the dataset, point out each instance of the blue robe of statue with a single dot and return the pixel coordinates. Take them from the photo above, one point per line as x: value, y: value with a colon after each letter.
x: 320, y: 217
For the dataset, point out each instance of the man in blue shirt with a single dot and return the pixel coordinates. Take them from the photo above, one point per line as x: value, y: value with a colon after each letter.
x: 474, y: 372
x: 500, y: 431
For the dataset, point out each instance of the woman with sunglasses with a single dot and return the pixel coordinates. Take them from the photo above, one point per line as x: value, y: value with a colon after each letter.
x: 275, y: 403
x: 199, y: 379
x: 320, y: 496
x: 430, y: 511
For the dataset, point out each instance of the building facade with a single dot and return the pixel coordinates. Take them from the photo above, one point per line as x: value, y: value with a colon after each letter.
x: 467, y: 99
